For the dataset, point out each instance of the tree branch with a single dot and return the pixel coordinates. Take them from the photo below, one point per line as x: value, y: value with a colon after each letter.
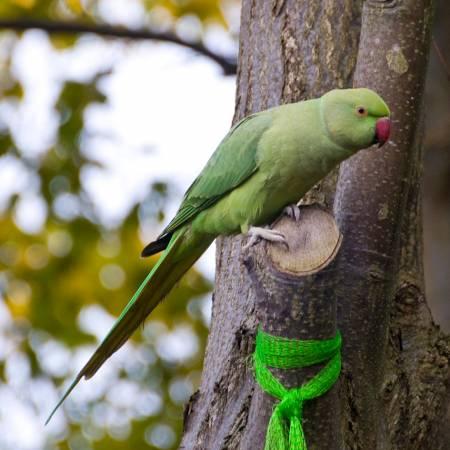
x: 228, y: 64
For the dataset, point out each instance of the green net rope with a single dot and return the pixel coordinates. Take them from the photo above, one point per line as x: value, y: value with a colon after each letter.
x: 285, y: 430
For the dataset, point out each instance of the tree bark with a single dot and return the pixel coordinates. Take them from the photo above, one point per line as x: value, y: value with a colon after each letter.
x: 284, y: 46
x: 395, y: 378
x: 394, y: 389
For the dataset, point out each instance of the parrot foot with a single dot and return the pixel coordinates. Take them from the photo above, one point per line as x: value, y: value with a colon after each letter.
x: 258, y: 233
x: 292, y: 211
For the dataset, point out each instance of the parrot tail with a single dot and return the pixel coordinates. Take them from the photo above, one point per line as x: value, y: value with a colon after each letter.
x: 157, y: 246
x: 181, y: 253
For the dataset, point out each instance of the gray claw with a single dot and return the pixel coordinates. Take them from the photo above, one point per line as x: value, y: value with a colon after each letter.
x: 258, y: 233
x: 293, y: 211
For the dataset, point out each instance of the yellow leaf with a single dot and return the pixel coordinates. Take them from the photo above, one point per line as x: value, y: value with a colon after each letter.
x: 75, y: 6
x: 18, y: 297
x: 62, y: 42
x: 27, y: 4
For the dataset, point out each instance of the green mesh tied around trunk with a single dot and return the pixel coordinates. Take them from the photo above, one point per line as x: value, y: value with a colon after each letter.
x: 285, y: 430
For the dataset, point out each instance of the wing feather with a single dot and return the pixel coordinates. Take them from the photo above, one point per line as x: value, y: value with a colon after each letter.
x: 233, y: 162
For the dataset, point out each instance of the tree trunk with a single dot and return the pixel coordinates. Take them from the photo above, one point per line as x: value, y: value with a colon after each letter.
x: 395, y: 379
x: 394, y: 387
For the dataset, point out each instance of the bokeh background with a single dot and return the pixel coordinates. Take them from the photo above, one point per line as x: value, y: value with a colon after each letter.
x: 99, y: 138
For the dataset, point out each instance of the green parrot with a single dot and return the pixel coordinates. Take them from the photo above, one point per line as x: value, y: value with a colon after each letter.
x: 265, y: 163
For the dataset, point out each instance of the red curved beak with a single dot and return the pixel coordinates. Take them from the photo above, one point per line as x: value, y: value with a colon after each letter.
x: 382, y: 130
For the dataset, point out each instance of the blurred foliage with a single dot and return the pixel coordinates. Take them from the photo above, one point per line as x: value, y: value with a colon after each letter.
x: 205, y: 10
x: 48, y: 278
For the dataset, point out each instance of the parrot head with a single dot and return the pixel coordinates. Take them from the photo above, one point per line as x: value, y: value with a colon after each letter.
x: 356, y: 118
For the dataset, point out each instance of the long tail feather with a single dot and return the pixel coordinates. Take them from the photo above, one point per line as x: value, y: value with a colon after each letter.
x: 179, y: 256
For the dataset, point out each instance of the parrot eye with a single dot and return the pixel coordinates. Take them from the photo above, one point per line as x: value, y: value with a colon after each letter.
x: 361, y: 111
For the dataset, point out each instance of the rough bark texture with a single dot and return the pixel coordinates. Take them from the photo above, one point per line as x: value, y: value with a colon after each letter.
x: 294, y: 298
x: 396, y: 362
x: 289, y: 50
x: 394, y: 388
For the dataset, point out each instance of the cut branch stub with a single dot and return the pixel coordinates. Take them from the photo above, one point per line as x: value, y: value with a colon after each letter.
x: 285, y: 281
x: 313, y: 242
x: 295, y: 298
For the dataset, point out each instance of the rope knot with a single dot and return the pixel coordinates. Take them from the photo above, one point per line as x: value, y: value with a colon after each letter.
x: 291, y: 405
x: 285, y: 426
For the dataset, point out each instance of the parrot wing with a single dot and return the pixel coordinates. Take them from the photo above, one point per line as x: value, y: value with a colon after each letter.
x: 233, y: 162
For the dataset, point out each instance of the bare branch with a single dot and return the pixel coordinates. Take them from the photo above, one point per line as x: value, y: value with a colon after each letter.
x: 228, y: 64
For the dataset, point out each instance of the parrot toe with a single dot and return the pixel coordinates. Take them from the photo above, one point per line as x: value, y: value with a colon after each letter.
x: 258, y: 233
x: 292, y: 211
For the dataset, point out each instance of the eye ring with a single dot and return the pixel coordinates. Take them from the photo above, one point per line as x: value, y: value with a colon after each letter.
x: 361, y: 111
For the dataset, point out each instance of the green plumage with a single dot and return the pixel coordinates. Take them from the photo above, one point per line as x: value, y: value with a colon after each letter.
x: 232, y: 164
x: 266, y: 162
